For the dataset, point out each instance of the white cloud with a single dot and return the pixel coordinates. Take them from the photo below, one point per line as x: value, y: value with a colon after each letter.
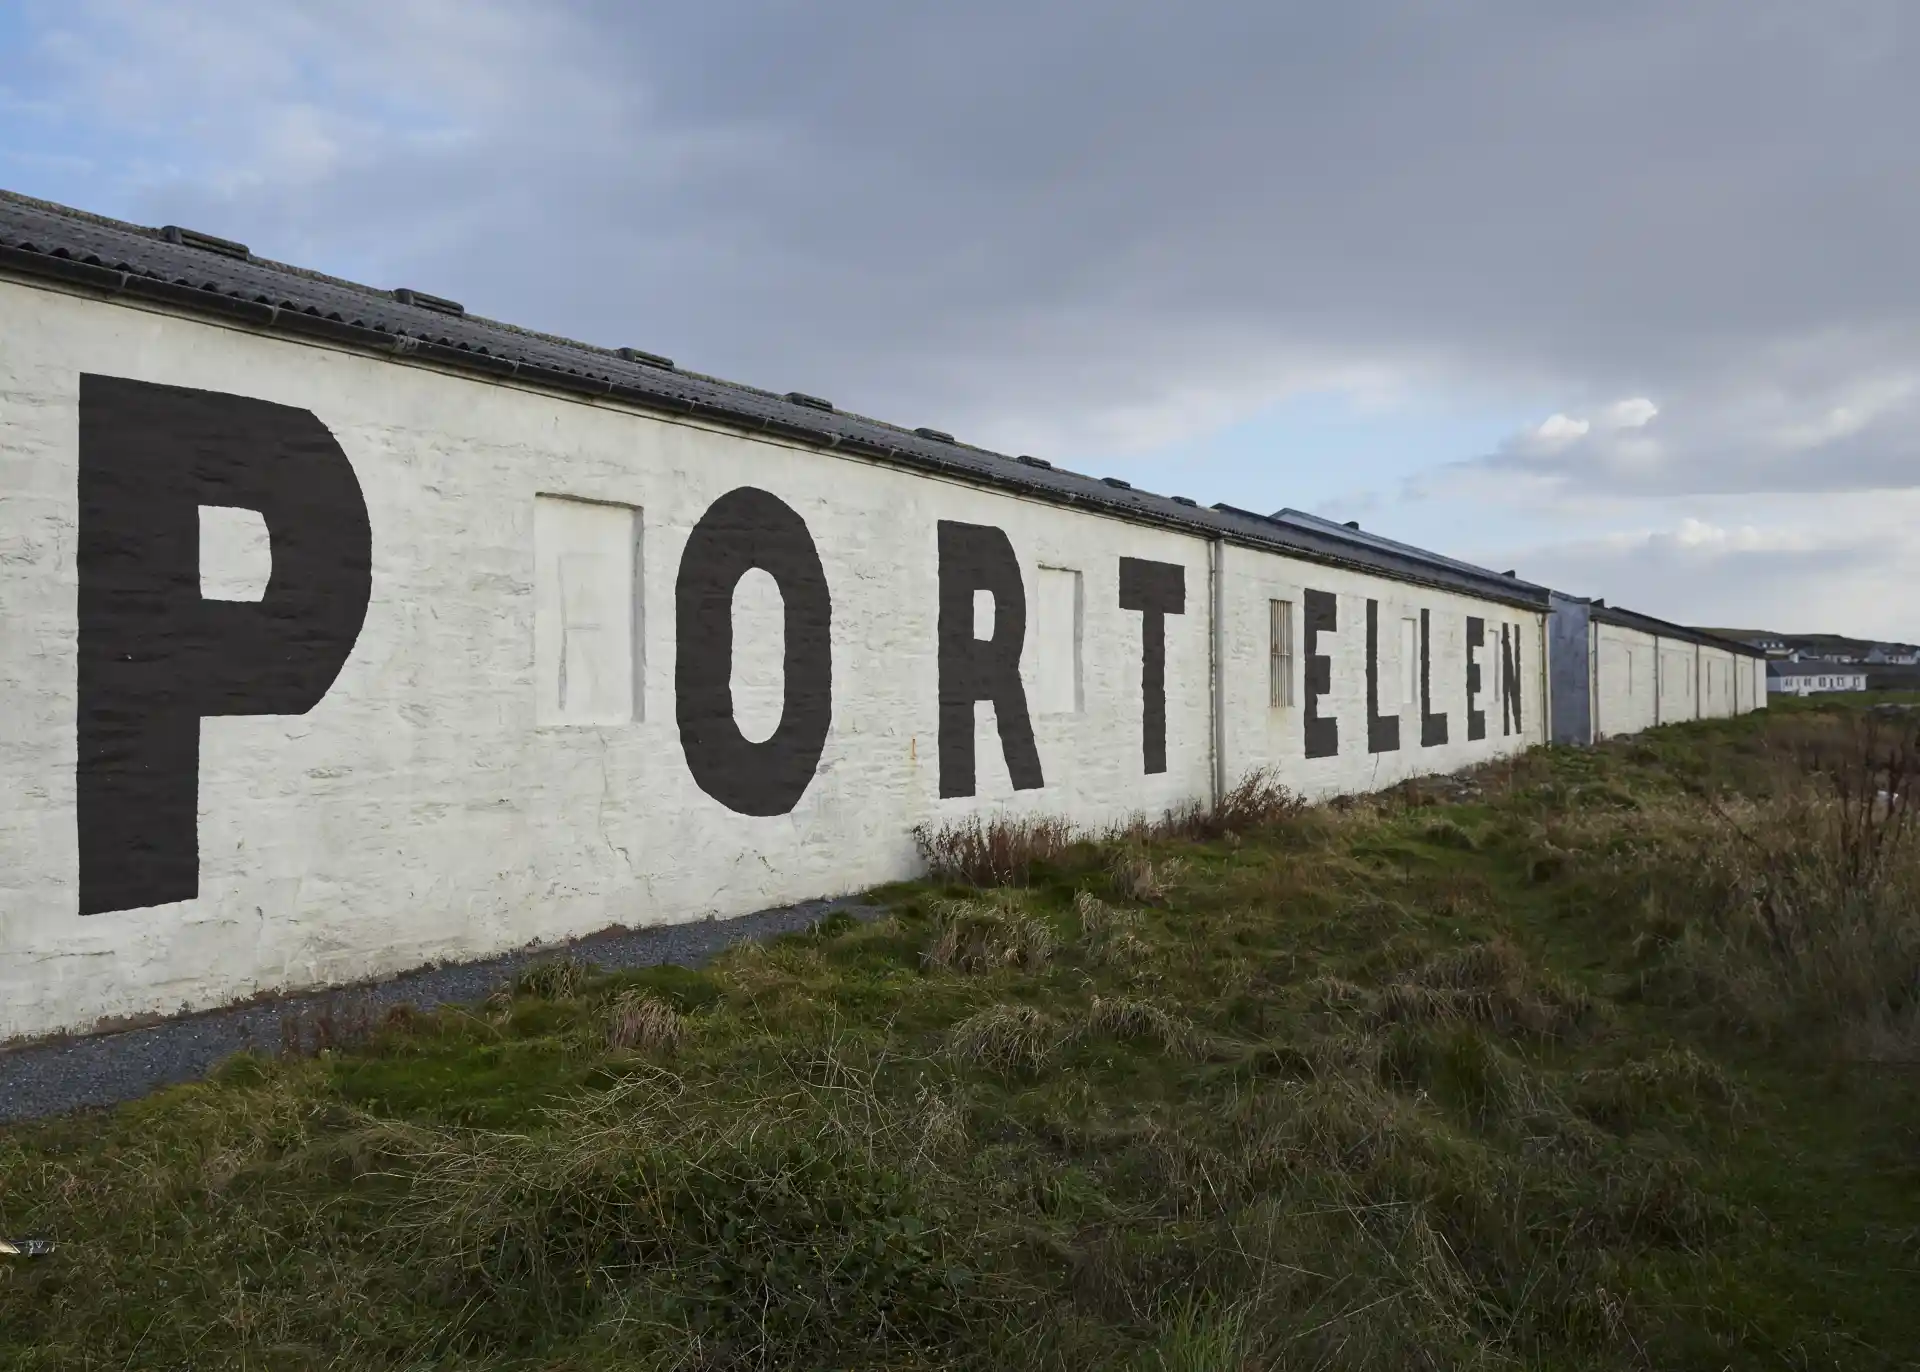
x: 1554, y: 433
x: 1636, y: 413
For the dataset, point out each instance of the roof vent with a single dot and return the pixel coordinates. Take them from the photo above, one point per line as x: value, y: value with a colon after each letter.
x: 439, y: 304
x: 206, y: 242
x: 812, y: 402
x: 1117, y: 482
x: 1033, y: 461
x: 646, y: 359
x: 1510, y: 572
x: 938, y: 435
x: 1352, y: 524
x: 1182, y: 500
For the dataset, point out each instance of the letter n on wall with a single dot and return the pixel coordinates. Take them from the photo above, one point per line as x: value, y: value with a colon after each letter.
x: 154, y: 657
x: 1322, y: 735
x: 1509, y: 679
x: 1156, y: 589
x: 978, y: 557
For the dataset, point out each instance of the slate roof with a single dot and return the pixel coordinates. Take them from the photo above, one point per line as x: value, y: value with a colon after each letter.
x: 1354, y: 534
x: 1647, y: 624
x: 205, y: 275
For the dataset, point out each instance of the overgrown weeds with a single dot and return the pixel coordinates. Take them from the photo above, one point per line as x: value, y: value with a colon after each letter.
x: 992, y: 852
x: 1255, y: 804
x: 1470, y: 1076
x: 1798, y: 913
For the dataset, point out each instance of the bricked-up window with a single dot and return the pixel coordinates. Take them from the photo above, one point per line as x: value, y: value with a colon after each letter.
x: 1280, y: 654
x: 586, y: 581
x: 1058, y: 611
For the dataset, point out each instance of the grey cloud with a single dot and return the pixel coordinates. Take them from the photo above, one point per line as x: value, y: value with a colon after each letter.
x: 1839, y: 586
x: 1008, y: 214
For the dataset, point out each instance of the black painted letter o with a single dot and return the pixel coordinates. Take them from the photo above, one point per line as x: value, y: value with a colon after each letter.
x: 744, y: 529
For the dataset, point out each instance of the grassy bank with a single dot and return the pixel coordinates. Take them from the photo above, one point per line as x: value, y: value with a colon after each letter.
x: 1598, y: 1059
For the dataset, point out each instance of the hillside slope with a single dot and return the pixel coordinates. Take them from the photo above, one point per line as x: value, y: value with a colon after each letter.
x: 1596, y: 1060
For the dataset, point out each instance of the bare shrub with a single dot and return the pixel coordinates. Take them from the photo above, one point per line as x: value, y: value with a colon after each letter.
x: 981, y: 936
x: 998, y: 852
x: 1003, y: 1038
x: 336, y: 1024
x: 1805, y: 912
x: 1257, y: 801
x: 638, y: 1021
x: 1872, y: 775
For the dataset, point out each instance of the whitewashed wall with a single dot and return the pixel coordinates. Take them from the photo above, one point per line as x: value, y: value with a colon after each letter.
x: 1625, y: 677
x: 500, y: 760
x: 1718, y: 669
x: 448, y: 798
x: 1691, y: 681
x: 1259, y: 734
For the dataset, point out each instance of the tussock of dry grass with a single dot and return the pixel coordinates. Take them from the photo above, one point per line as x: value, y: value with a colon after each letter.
x: 980, y: 936
x: 638, y: 1021
x: 1004, y: 1038
x: 554, y: 978
x: 1137, y: 877
x: 1109, y: 936
x: 1490, y: 984
x: 1677, y: 1082
x: 1123, y: 1017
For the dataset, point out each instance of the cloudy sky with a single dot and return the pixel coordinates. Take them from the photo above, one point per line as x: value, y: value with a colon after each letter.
x: 1625, y: 296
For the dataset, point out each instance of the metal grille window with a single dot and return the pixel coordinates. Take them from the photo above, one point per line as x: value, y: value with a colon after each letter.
x: 1280, y: 654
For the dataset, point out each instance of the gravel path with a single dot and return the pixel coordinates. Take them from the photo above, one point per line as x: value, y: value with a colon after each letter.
x: 69, y: 1074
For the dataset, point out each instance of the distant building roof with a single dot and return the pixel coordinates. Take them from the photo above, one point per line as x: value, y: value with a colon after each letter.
x: 1815, y: 669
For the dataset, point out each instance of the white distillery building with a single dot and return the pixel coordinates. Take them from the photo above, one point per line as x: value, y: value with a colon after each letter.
x: 1809, y: 678
x: 343, y: 632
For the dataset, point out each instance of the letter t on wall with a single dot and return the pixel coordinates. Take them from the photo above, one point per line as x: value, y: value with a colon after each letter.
x: 1156, y: 589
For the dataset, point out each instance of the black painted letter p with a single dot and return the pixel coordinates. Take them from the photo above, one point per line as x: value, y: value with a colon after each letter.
x: 154, y: 657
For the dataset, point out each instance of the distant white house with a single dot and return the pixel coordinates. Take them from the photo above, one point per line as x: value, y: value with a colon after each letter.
x: 1807, y: 678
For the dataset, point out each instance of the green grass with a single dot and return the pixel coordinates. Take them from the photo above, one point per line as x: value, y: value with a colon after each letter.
x: 1447, y: 1078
